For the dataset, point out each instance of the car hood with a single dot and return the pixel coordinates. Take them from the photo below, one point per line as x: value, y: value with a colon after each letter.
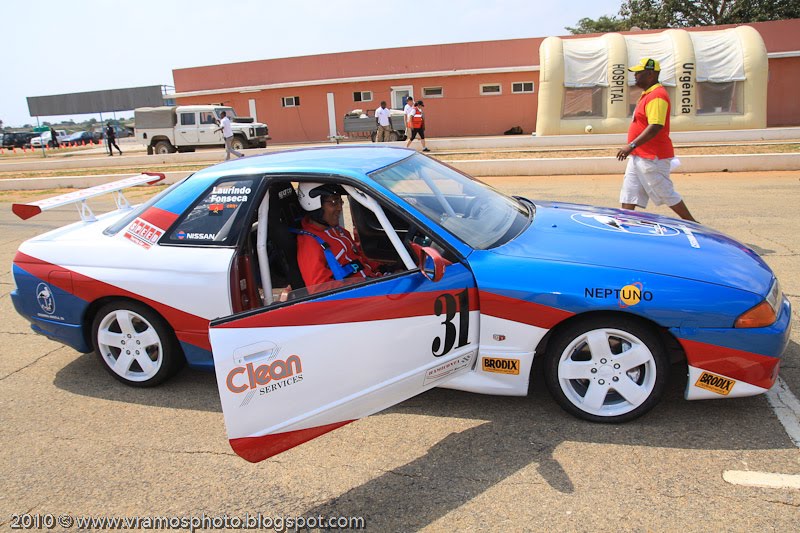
x: 639, y: 242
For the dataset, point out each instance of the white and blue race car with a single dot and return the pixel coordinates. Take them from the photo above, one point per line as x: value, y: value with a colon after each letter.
x: 480, y: 284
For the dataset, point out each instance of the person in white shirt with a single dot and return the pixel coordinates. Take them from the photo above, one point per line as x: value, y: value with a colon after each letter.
x: 382, y: 117
x: 409, y: 112
x: 227, y: 134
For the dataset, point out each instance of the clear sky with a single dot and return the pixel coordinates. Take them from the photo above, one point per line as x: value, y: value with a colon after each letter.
x: 64, y: 46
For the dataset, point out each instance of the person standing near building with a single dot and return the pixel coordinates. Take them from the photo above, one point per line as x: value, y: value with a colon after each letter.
x: 227, y: 134
x: 649, y: 145
x: 111, y: 139
x: 408, y: 111
x: 383, y: 118
x: 418, y: 125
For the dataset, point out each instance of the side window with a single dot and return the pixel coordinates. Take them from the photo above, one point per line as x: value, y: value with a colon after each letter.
x: 207, y: 117
x: 217, y: 218
x: 357, y: 238
x: 187, y: 119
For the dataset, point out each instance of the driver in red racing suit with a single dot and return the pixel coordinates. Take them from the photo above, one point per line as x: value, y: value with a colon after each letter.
x: 325, y: 250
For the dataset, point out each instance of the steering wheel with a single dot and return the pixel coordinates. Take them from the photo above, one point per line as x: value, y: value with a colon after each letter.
x: 476, y: 208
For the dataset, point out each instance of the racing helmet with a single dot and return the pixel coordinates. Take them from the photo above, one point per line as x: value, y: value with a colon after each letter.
x: 310, y: 194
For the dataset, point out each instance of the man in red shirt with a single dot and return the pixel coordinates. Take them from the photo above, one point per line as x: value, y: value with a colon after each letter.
x: 650, y: 148
x: 325, y: 250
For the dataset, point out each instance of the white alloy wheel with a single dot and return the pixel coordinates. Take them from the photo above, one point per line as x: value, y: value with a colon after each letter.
x: 130, y: 345
x: 135, y: 344
x: 607, y: 371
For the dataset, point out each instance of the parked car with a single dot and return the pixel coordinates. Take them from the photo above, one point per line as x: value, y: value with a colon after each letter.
x: 80, y: 137
x: 478, y: 284
x: 21, y: 139
x: 121, y: 131
x: 46, y: 139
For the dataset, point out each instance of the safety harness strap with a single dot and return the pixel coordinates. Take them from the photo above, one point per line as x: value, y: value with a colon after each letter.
x: 339, y: 271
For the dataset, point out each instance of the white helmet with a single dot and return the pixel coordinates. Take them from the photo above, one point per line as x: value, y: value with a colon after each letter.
x: 310, y: 194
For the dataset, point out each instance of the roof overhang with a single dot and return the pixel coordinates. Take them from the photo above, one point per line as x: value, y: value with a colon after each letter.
x: 358, y: 79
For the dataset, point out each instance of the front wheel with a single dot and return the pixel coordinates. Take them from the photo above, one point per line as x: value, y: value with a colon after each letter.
x: 606, y: 369
x: 135, y: 344
x: 238, y: 143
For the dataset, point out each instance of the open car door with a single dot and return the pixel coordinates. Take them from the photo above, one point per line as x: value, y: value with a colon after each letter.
x: 291, y: 372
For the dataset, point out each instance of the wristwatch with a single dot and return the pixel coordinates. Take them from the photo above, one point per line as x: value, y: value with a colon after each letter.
x: 632, y: 144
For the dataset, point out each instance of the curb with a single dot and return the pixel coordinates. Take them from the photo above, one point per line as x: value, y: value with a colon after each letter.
x: 488, y: 168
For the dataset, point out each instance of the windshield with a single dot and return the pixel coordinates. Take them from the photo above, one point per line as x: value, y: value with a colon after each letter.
x: 228, y: 111
x: 472, y: 211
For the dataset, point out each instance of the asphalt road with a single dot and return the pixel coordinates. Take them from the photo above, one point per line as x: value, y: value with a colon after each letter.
x: 75, y: 441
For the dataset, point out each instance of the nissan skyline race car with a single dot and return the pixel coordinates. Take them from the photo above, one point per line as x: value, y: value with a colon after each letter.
x: 479, y: 284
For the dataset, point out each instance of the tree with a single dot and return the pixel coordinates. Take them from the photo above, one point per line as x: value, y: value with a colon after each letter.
x: 649, y: 14
x: 660, y: 14
x: 604, y: 24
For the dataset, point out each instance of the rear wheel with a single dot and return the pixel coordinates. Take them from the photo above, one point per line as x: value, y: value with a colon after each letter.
x: 163, y: 148
x: 606, y: 369
x: 135, y: 344
x: 393, y: 136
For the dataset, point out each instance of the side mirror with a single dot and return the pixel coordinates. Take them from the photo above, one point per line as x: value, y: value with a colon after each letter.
x: 431, y: 263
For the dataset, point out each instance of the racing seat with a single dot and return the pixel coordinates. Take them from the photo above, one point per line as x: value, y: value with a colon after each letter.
x: 284, y: 213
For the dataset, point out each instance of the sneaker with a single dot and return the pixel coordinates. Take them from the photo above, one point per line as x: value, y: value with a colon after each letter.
x: 426, y: 150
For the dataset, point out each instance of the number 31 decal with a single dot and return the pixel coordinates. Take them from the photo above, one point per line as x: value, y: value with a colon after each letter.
x: 448, y: 305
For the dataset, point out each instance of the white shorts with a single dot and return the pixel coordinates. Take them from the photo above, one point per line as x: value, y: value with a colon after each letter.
x: 646, y: 179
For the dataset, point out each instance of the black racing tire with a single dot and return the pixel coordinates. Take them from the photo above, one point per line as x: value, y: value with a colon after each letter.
x: 135, y: 344
x: 608, y: 369
x: 163, y: 148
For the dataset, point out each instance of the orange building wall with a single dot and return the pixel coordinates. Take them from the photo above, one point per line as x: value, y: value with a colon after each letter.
x: 462, y: 111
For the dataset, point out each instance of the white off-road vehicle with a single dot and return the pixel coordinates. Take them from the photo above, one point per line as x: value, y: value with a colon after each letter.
x: 169, y: 129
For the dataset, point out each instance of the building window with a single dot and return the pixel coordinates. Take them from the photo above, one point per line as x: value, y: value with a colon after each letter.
x: 187, y: 119
x: 522, y: 87
x: 290, y: 101
x: 432, y: 92
x: 491, y: 88
x: 362, y: 96
x: 582, y: 102
x: 716, y: 98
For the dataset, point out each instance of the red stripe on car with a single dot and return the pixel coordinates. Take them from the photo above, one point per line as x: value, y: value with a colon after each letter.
x: 188, y: 327
x: 159, y: 217
x: 756, y: 369
x: 530, y: 313
x: 383, y: 307
x: 256, y: 449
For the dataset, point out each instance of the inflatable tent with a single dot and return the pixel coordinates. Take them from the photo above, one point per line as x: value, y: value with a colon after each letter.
x: 716, y: 80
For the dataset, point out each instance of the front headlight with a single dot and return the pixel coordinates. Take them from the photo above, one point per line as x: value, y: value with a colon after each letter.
x: 765, y: 313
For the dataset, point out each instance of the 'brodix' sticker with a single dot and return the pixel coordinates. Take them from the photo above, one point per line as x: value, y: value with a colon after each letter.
x: 715, y: 383
x: 500, y: 366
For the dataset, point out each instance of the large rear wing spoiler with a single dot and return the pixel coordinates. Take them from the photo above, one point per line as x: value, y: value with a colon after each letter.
x: 26, y: 211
